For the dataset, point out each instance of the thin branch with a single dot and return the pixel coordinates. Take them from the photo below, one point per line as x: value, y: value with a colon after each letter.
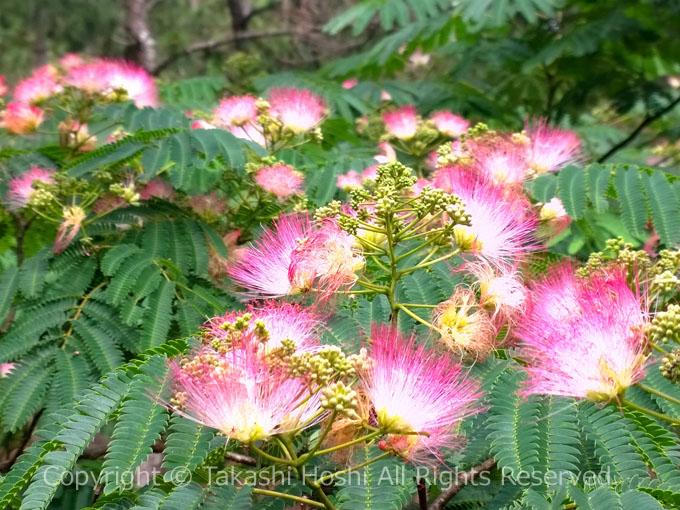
x: 462, y: 480
x: 645, y: 122
x: 216, y: 43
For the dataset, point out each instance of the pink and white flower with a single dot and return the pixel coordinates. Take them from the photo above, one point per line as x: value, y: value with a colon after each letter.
x: 502, y: 222
x: 420, y: 397
x: 236, y: 111
x: 502, y: 162
x: 402, y: 122
x: 296, y: 257
x: 585, y: 338
x: 22, y: 188
x: 21, y: 118
x: 350, y: 83
x: 449, y: 124
x: 351, y: 179
x: 283, y: 321
x: 386, y: 154
x: 554, y: 217
x: 243, y: 395
x: 550, y: 149
x: 41, y: 85
x: 281, y: 180
x: 157, y: 188
x: 298, y: 110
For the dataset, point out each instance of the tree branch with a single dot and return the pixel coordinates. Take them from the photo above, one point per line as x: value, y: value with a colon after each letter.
x: 645, y: 122
x: 462, y: 480
x: 216, y: 43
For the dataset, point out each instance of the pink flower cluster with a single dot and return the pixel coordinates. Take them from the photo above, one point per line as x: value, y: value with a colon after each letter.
x: 283, y: 181
x: 296, y: 110
x: 402, y: 122
x: 240, y: 391
x: 106, y: 77
x: 298, y: 256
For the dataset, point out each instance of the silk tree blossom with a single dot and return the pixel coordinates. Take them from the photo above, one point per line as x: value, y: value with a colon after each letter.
x: 242, y: 394
x: 351, y: 179
x: 282, y: 321
x: 584, y: 338
x: 325, y: 261
x: 466, y: 328
x: 157, y: 188
x: 109, y: 77
x: 69, y: 228
x: 22, y: 188
x: 350, y: 83
x: 209, y: 205
x: 419, y: 396
x: 281, y: 180
x: 386, y: 154
x: 550, y: 149
x: 449, y: 124
x: 238, y: 115
x: 37, y: 88
x: 21, y: 118
x: 298, y: 110
x: 263, y: 271
x: 554, y: 217
x: 296, y: 257
x: 502, y: 222
x: 501, y: 290
x: 503, y: 162
x: 402, y: 122
x: 202, y: 124
x: 236, y: 111
x: 3, y: 86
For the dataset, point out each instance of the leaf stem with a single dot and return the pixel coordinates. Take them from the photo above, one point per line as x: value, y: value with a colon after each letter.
x: 658, y: 393
x: 297, y: 499
x: 351, y: 468
x: 649, y: 412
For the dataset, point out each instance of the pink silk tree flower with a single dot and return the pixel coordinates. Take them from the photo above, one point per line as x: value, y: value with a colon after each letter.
x: 297, y: 257
x: 242, y: 394
x: 554, y: 217
x: 21, y: 188
x: 402, y: 122
x: 550, y: 149
x: 449, y: 124
x: 283, y: 181
x: 110, y: 77
x: 3, y: 86
x: 69, y: 228
x: 584, y: 337
x: 236, y: 111
x: 501, y: 290
x: 351, y: 179
x: 263, y: 269
x: 202, y: 124
x: 210, y: 204
x: 298, y: 110
x: 350, y: 83
x: 134, y: 80
x: 502, y: 162
x: 157, y: 188
x: 283, y: 321
x: 419, y: 396
x: 502, y: 222
x: 386, y: 154
x: 37, y: 88
x: 21, y: 118
x: 325, y: 262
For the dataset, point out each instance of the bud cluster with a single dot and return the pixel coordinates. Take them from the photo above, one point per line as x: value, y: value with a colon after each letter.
x: 325, y: 364
x: 341, y: 399
x: 670, y: 366
x: 665, y: 326
x: 436, y: 200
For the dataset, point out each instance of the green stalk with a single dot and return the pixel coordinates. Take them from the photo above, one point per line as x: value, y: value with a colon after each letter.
x: 658, y: 393
x: 297, y: 499
x: 352, y: 468
x: 649, y: 412
x: 367, y: 437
